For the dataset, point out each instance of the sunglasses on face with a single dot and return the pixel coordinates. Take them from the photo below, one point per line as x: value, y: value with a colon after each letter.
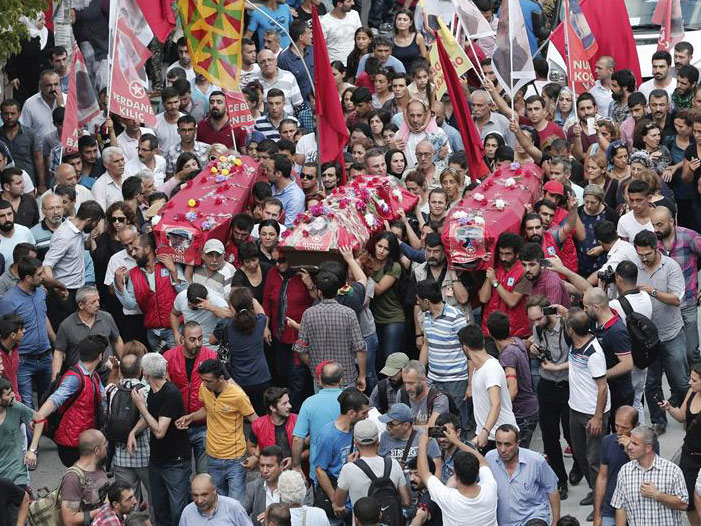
x: 308, y: 177
x: 118, y: 219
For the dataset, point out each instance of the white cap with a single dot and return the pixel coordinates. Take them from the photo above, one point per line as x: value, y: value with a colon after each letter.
x: 213, y: 245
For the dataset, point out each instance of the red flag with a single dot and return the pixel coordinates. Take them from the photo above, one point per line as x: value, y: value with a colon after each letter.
x: 610, y: 25
x: 474, y: 148
x: 333, y: 134
x: 668, y: 14
x: 160, y: 17
x: 81, y: 102
x: 239, y: 113
x: 578, y: 67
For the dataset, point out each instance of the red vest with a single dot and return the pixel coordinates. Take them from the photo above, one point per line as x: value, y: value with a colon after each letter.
x: 177, y: 373
x: 82, y: 413
x: 265, y: 430
x: 155, y: 306
x: 518, y: 318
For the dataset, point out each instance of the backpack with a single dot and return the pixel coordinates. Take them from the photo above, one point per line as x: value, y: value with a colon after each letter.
x: 383, y: 490
x: 54, y: 419
x: 46, y: 511
x: 644, y: 338
x: 432, y: 395
x: 122, y: 413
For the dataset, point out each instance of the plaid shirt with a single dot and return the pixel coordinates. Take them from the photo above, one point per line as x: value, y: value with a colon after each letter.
x: 641, y: 511
x: 141, y: 455
x: 200, y: 150
x: 107, y: 517
x: 330, y: 331
x: 685, y: 251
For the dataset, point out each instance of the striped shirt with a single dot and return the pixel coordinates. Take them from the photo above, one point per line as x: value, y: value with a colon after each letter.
x: 287, y: 83
x: 267, y: 128
x: 446, y: 360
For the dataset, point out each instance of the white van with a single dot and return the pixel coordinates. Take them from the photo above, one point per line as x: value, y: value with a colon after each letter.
x: 646, y: 35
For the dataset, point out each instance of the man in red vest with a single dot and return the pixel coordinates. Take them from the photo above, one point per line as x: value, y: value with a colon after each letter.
x: 183, y: 362
x: 152, y: 286
x: 273, y: 429
x: 78, y: 398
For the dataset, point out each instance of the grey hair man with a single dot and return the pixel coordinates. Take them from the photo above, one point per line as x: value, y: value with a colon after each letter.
x: 426, y: 403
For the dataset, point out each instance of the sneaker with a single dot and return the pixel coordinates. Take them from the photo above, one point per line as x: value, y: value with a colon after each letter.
x: 567, y: 452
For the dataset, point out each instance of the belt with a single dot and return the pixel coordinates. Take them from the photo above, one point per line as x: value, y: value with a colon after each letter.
x: 36, y: 356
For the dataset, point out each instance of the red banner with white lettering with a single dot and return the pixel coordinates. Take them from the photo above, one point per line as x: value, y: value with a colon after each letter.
x: 81, y: 103
x: 128, y: 94
x: 578, y: 67
x: 240, y: 115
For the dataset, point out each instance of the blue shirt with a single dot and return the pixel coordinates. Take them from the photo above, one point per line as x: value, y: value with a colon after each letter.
x: 392, y: 62
x: 523, y: 496
x: 528, y: 7
x: 32, y: 308
x: 336, y: 447
x: 292, y: 62
x: 260, y: 24
x: 292, y: 198
x: 70, y: 384
x: 227, y: 513
x: 315, y: 413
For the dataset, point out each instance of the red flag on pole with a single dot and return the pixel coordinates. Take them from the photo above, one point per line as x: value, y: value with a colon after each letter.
x: 333, y: 134
x: 668, y: 14
x: 81, y: 102
x: 610, y: 25
x: 474, y: 148
x: 160, y: 17
x: 578, y: 67
x: 239, y: 113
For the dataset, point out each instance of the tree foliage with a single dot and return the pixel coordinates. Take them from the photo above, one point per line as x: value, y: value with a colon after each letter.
x: 12, y: 30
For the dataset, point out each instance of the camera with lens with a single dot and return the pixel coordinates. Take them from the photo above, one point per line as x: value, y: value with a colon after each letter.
x: 543, y: 354
x: 607, y: 275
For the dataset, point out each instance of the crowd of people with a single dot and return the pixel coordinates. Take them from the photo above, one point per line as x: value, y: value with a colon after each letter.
x: 382, y: 387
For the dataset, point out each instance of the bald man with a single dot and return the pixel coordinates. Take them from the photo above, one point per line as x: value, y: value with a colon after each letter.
x: 602, y: 87
x: 684, y: 246
x: 271, y: 76
x: 613, y: 456
x: 52, y: 214
x: 66, y: 174
x: 207, y: 506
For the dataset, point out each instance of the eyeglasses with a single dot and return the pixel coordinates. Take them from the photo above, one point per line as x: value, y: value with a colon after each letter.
x: 308, y: 177
x: 118, y: 219
x: 423, y: 154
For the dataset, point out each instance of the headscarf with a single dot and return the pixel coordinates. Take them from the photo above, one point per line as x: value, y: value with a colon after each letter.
x: 388, y: 158
x: 34, y: 31
x: 428, y: 126
x: 561, y: 119
x: 641, y: 157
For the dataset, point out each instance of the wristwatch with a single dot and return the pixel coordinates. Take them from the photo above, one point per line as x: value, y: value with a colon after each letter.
x: 654, y: 293
x: 495, y: 284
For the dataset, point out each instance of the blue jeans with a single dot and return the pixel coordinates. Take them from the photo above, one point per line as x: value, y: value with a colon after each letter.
x: 30, y: 369
x: 229, y: 475
x: 170, y: 491
x: 456, y: 390
x: 371, y: 344
x: 198, y: 439
x: 158, y: 337
x: 673, y: 360
x: 526, y: 426
x: 691, y: 330
x: 390, y: 338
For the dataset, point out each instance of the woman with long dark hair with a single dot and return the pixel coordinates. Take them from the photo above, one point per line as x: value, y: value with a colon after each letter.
x: 363, y: 45
x: 252, y: 272
x: 409, y: 44
x: 244, y: 336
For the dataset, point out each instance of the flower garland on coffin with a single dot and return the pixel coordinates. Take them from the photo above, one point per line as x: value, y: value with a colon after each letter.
x: 497, y: 205
x: 347, y: 217
x: 204, y: 207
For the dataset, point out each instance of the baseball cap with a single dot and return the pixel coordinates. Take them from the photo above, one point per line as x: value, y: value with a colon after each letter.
x: 554, y: 187
x: 395, y: 363
x: 399, y: 412
x: 213, y: 245
x: 365, y: 432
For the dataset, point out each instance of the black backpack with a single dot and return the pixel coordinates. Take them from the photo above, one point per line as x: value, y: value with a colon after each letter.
x: 644, y: 338
x: 432, y: 395
x: 383, y: 490
x: 122, y: 414
x: 54, y: 419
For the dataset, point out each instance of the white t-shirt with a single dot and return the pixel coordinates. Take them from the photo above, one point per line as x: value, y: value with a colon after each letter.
x: 340, y: 34
x: 166, y: 132
x: 120, y: 259
x: 313, y: 517
x: 647, y: 87
x: 134, y: 166
x: 628, y: 226
x: 357, y: 484
x: 459, y: 510
x: 128, y: 145
x: 489, y: 375
x: 8, y: 244
x: 189, y: 72
x: 306, y: 146
x: 206, y: 319
x: 586, y: 365
x: 640, y: 302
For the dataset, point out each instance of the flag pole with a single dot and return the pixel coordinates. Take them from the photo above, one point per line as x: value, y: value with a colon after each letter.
x: 113, y: 53
x: 511, y: 58
x: 568, y: 50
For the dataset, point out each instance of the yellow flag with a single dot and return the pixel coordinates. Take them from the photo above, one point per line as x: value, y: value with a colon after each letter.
x: 457, y: 56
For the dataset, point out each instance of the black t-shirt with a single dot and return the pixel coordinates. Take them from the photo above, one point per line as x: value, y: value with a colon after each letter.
x: 615, y: 339
x: 175, y: 445
x: 435, y: 515
x: 353, y: 298
x: 189, y: 366
x: 280, y: 440
x: 10, y: 493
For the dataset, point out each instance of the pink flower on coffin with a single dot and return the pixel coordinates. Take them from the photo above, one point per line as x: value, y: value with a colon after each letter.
x: 287, y: 233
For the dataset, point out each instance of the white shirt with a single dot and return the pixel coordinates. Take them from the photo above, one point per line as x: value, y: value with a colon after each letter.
x: 603, y: 97
x: 640, y: 302
x: 82, y: 194
x: 585, y: 367
x: 247, y: 76
x: 166, y: 132
x: 357, y: 483
x: 106, y: 191
x: 340, y: 34
x: 134, y: 166
x: 628, y: 226
x: 621, y: 251
x: 647, y: 87
x: 8, y: 244
x: 491, y: 374
x: 306, y: 145
x: 313, y: 516
x: 189, y: 72
x: 129, y: 145
x: 36, y: 115
x: 120, y: 259
x: 459, y: 510
x: 206, y: 319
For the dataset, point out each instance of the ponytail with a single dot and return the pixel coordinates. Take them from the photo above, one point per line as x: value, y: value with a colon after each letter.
x: 241, y: 301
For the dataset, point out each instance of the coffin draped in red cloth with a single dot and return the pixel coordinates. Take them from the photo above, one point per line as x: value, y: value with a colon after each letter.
x: 497, y: 205
x: 204, y: 208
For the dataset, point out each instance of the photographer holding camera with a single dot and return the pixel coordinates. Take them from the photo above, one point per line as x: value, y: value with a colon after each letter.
x: 549, y: 342
x: 616, y: 249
